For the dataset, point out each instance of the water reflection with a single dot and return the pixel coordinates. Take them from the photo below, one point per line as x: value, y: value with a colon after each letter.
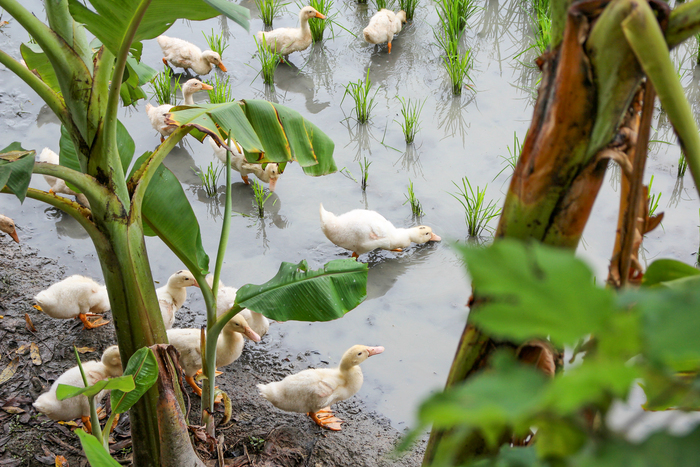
x: 360, y: 137
x: 410, y: 160
x: 289, y: 78
x: 679, y: 194
x: 181, y: 163
x: 243, y: 203
x: 66, y: 226
x: 450, y: 116
x: 45, y: 116
x: 321, y: 66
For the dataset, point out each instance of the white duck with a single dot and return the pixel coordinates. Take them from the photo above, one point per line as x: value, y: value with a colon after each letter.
x: 78, y: 407
x: 313, y: 391
x: 75, y: 297
x: 58, y: 185
x: 225, y: 299
x: 383, y: 25
x: 361, y: 231
x: 229, y: 347
x: 270, y: 174
x: 158, y: 115
x: 186, y: 55
x: 7, y: 225
x: 172, y: 295
x: 288, y: 40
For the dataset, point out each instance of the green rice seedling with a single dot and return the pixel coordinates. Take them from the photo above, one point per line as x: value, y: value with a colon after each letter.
x: 416, y: 208
x: 162, y: 89
x: 682, y: 164
x: 454, y: 14
x: 360, y: 94
x: 345, y: 171
x: 268, y: 61
x: 217, y: 42
x: 410, y: 110
x: 458, y: 69
x: 542, y: 22
x: 477, y: 213
x: 270, y: 9
x: 513, y: 155
x: 380, y: 4
x: 448, y: 41
x: 261, y: 194
x: 364, y: 172
x: 653, y: 198
x: 210, y: 179
x: 697, y: 38
x: 222, y: 89
x: 409, y: 6
x: 318, y: 25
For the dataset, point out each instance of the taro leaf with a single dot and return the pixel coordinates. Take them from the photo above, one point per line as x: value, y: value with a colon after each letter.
x: 296, y: 293
x: 267, y: 132
x: 670, y: 323
x: 489, y: 401
x: 69, y: 158
x: 167, y: 213
x: 534, y: 291
x: 66, y: 391
x: 36, y: 59
x: 558, y: 438
x: 110, y: 21
x: 144, y: 369
x: 16, y: 164
x: 662, y: 271
x: 95, y: 452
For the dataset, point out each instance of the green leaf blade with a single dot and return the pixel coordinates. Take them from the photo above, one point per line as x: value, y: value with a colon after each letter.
x: 16, y: 165
x: 143, y: 369
x: 122, y: 383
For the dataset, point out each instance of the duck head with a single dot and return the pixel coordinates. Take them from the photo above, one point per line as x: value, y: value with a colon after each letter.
x: 214, y: 58
x: 239, y: 324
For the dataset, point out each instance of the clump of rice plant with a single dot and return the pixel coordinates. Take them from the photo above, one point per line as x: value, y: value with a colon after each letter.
x: 682, y: 164
x: 416, y: 208
x: 318, y: 25
x: 268, y: 61
x: 409, y: 6
x: 454, y: 14
x: 221, y: 93
x: 269, y: 9
x: 382, y: 4
x: 364, y: 172
x: 477, y: 213
x: 210, y: 179
x: 261, y: 194
x: 653, y: 198
x: 162, y: 89
x: 542, y: 24
x: 513, y: 155
x: 410, y: 111
x: 217, y: 42
x: 458, y: 69
x: 359, y: 92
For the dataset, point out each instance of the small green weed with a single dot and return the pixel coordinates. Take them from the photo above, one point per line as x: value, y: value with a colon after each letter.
x: 268, y: 61
x: 653, y: 198
x: 364, y: 172
x: 513, y: 155
x: 221, y: 93
x: 477, y: 213
x: 257, y: 444
x: 162, y: 89
x: 682, y: 164
x: 410, y: 110
x: 345, y: 171
x: 217, y: 42
x: 416, y: 208
x: 210, y: 178
x: 261, y: 194
x: 360, y: 94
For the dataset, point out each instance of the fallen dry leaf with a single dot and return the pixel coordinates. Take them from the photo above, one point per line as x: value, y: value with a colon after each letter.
x: 30, y: 325
x: 84, y: 349
x: 13, y: 410
x: 68, y: 423
x: 61, y: 461
x: 22, y: 349
x: 9, y: 371
x: 34, y: 353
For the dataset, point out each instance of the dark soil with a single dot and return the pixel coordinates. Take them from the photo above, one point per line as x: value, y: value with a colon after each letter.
x: 258, y: 435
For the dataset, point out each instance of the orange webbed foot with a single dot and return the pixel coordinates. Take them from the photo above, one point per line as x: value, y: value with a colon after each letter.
x: 325, y: 419
x: 87, y: 324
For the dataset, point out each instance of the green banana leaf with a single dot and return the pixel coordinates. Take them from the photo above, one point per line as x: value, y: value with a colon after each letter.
x: 111, y: 20
x: 124, y: 383
x: 267, y: 132
x: 96, y: 454
x: 16, y: 164
x: 36, y: 59
x: 167, y: 213
x: 662, y: 271
x: 296, y: 293
x: 143, y: 368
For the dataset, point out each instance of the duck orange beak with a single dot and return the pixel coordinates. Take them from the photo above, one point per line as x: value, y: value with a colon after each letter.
x: 375, y: 350
x: 196, y: 285
x: 252, y: 335
x: 207, y: 87
x: 273, y: 183
x: 434, y: 238
x: 319, y: 15
x: 221, y: 65
x: 14, y: 236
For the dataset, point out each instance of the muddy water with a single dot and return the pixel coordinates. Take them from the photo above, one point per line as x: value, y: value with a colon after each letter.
x: 416, y: 299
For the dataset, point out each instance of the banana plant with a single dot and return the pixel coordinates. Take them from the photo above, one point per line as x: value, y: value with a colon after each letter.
x: 82, y: 83
x: 589, y: 111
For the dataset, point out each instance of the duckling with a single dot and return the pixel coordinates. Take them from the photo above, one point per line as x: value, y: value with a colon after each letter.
x: 172, y: 295
x: 225, y: 299
x: 288, y: 40
x: 361, y: 231
x: 186, y: 55
x: 314, y: 390
x: 75, y: 297
x: 383, y: 25
x: 58, y: 185
x: 7, y: 225
x: 229, y: 347
x: 270, y: 174
x: 158, y: 115
x: 78, y: 407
